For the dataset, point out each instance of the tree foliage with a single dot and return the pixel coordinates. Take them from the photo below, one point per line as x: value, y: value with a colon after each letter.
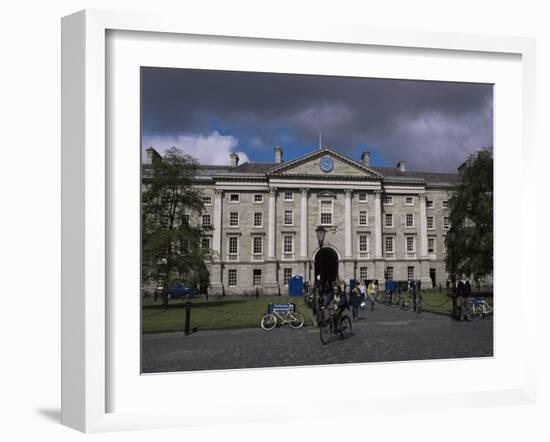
x: 470, y: 238
x: 171, y: 242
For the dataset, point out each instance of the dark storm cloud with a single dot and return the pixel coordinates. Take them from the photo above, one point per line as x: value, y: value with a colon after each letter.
x: 431, y: 125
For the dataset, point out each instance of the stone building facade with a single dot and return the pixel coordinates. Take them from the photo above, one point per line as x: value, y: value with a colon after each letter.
x: 380, y: 221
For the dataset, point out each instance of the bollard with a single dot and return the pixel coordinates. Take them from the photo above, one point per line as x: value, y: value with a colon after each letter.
x: 187, y: 317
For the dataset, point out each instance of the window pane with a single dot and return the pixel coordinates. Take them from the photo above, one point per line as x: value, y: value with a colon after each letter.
x: 232, y: 277
x: 258, y: 218
x: 287, y: 274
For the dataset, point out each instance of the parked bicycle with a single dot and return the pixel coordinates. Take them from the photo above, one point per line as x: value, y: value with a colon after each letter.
x: 282, y: 316
x: 479, y: 308
x: 334, y: 325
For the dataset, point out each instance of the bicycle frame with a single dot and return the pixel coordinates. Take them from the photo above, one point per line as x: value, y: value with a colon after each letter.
x: 287, y: 318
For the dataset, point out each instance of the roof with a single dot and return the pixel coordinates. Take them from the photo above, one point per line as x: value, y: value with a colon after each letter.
x: 261, y: 170
x: 394, y: 174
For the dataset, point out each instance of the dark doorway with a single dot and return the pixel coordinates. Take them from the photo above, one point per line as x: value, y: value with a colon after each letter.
x: 326, y: 264
x: 432, y: 277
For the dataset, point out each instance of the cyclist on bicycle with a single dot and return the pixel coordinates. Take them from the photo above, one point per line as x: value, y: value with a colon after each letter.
x: 335, y: 304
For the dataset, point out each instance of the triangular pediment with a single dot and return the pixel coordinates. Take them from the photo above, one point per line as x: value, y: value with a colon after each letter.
x: 324, y: 162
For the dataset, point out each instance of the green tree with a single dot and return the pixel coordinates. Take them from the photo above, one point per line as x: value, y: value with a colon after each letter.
x: 171, y: 241
x: 470, y: 239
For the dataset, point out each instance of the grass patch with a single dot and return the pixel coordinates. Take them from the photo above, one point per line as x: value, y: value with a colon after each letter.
x: 213, y: 314
x: 442, y: 303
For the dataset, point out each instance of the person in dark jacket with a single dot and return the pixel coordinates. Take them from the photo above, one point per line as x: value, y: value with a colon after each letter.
x: 463, y: 293
x: 355, y: 301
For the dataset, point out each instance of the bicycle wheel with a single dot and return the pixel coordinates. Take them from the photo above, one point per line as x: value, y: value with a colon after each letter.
x: 475, y: 312
x: 269, y: 321
x: 324, y: 331
x: 296, y: 320
x: 345, y: 327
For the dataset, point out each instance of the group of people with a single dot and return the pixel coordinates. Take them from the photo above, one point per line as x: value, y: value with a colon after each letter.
x: 331, y: 296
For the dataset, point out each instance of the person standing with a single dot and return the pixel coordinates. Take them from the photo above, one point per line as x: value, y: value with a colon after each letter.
x: 463, y: 292
x: 363, y: 293
x: 371, y: 293
x: 355, y: 301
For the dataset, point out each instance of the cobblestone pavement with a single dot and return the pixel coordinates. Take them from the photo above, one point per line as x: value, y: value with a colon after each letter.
x: 385, y: 334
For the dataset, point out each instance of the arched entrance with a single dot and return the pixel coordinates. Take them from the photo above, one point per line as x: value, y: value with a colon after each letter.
x: 326, y: 264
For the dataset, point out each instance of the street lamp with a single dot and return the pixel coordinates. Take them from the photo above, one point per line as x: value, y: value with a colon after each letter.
x: 321, y: 232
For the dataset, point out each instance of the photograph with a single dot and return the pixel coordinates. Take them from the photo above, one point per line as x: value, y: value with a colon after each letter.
x: 303, y: 220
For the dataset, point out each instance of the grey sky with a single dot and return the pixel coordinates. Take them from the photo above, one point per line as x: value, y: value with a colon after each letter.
x: 431, y: 125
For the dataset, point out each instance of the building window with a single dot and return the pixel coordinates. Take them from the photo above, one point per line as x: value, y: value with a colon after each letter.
x: 410, y: 272
x: 287, y: 274
x: 288, y: 246
x: 288, y: 196
x: 207, y: 200
x: 258, y: 198
x: 234, y: 198
x: 257, y: 277
x: 362, y: 197
x: 389, y: 244
x: 430, y: 222
x: 410, y: 244
x: 363, y: 244
x: 233, y: 219
x: 388, y: 200
x: 258, y: 219
x: 257, y: 245
x: 429, y: 204
x: 185, y: 220
x: 363, y: 218
x: 388, y: 220
x: 388, y: 274
x: 206, y: 220
x: 409, y: 220
x: 431, y: 245
x: 289, y: 218
x: 184, y: 246
x: 233, y: 247
x: 205, y: 245
x: 363, y: 273
x: 409, y: 200
x: 445, y: 204
x: 326, y: 213
x: 446, y: 222
x: 232, y: 277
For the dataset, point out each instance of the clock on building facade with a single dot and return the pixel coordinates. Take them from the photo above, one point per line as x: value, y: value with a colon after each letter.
x: 326, y: 164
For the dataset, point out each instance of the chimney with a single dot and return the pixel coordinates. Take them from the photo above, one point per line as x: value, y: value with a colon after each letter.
x: 152, y: 155
x: 278, y: 155
x: 365, y: 158
x: 401, y: 166
x: 234, y: 159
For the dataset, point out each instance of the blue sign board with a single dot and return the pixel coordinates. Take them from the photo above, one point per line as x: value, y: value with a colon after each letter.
x: 280, y: 308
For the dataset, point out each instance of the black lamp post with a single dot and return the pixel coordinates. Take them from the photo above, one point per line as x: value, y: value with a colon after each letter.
x: 321, y: 232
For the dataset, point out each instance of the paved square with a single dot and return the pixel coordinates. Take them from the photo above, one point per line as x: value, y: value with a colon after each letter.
x: 385, y: 334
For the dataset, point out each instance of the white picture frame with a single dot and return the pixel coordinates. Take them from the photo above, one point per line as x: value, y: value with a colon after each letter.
x: 86, y: 353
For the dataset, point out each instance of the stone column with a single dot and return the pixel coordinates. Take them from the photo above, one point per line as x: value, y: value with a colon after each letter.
x: 216, y: 267
x: 271, y: 286
x: 423, y: 228
x: 377, y: 224
x: 424, y: 261
x: 217, y: 234
x: 378, y: 257
x: 304, y: 225
x: 271, y: 223
x: 347, y: 224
